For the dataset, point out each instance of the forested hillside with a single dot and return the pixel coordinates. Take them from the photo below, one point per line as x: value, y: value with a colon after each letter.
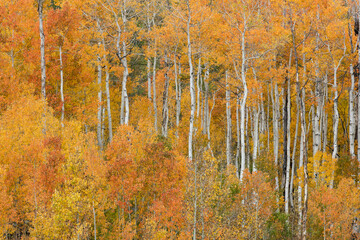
x: 179, y: 119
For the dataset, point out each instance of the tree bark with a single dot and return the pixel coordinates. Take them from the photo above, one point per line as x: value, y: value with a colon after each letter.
x: 94, y: 216
x: 178, y: 95
x: 124, y: 114
x: 165, y: 110
x: 325, y: 116
x: 154, y: 93
x: 192, y: 87
x: 352, y: 114
x: 316, y: 124
x: 255, y: 137
x: 148, y: 69
x: 237, y: 159
x: 99, y: 138
x: 228, y: 123
x: 275, y: 98
x: 293, y: 160
x: 243, y: 105
x: 336, y: 124
x: 288, y: 146
x: 62, y: 88
x: 42, y: 48
x: 107, y: 89
x: 206, y: 104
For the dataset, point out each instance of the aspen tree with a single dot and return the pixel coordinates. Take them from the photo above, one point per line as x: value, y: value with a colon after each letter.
x: 42, y: 48
x: 228, y: 122
x: 192, y: 86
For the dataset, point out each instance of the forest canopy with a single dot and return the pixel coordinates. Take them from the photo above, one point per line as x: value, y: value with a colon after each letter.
x: 190, y: 119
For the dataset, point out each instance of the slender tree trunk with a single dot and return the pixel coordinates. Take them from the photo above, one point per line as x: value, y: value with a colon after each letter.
x: 124, y: 114
x: 148, y: 22
x: 42, y: 48
x: 178, y: 95
x: 148, y: 67
x: 62, y: 88
x: 107, y: 91
x: 124, y: 95
x: 154, y: 93
x: 206, y: 104
x: 336, y: 124
x: 288, y: 146
x: 237, y: 159
x: 228, y: 123
x: 255, y: 137
x: 243, y: 104
x: 276, y: 134
x: 285, y: 139
x: 352, y: 125
x: 316, y: 124
x: 303, y: 148
x: 198, y: 88
x: 262, y: 115
x: 325, y: 116
x: 303, y: 137
x: 301, y: 157
x: 192, y: 87
x: 103, y: 124
x: 165, y: 110
x: 94, y: 213
x: 293, y: 160
x: 99, y: 138
x: 210, y: 114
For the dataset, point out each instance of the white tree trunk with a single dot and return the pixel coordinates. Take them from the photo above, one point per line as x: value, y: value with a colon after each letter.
x: 42, y: 48
x: 125, y: 111
x: 325, y: 116
x: 62, y: 88
x: 255, y: 137
x: 108, y: 103
x: 303, y: 144
x: 177, y: 91
x: 243, y: 105
x: 94, y: 217
x: 124, y: 118
x: 316, y: 125
x: 192, y: 86
x: 352, y: 114
x: 228, y: 123
x: 293, y: 160
x: 148, y: 69
x: 288, y: 146
x: 317, y: 113
x: 165, y: 110
x: 198, y: 88
x: 262, y: 115
x: 237, y: 159
x: 336, y: 124
x: 100, y: 142
x: 107, y: 89
x: 103, y: 124
x: 154, y: 93
x: 206, y: 104
x: 276, y: 133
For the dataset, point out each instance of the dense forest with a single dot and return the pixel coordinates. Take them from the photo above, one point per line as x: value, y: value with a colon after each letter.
x: 179, y: 119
